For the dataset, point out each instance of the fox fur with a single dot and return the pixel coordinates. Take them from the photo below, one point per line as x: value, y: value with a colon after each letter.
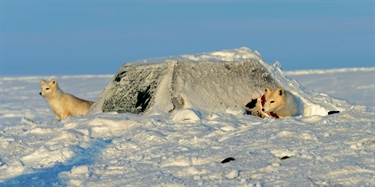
x: 63, y: 104
x: 280, y: 102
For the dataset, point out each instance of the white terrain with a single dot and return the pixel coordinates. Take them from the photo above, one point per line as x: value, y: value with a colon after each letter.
x: 187, y: 147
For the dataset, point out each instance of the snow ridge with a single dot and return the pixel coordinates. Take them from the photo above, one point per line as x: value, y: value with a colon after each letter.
x: 325, y: 71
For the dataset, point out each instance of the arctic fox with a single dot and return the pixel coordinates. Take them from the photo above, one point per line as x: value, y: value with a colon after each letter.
x: 280, y: 102
x: 63, y: 104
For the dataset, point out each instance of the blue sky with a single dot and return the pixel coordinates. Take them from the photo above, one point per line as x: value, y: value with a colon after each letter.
x: 97, y: 37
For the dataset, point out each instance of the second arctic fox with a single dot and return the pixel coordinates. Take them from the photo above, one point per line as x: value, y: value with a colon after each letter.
x: 63, y: 104
x: 280, y: 102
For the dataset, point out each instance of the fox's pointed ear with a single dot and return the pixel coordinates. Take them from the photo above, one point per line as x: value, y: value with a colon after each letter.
x: 53, y: 81
x: 42, y: 82
x: 281, y: 91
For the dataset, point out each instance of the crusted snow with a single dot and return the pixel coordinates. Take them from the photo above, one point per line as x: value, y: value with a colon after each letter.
x: 186, y: 148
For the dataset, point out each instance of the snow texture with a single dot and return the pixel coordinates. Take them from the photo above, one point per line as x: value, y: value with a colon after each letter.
x: 188, y: 146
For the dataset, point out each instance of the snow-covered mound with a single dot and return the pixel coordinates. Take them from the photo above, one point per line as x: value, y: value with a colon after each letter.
x: 208, y: 82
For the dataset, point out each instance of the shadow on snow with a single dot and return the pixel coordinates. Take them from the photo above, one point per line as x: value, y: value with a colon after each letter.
x: 50, y: 176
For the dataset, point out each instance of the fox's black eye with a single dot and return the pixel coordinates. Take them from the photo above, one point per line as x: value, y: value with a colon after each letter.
x: 272, y: 101
x: 47, y: 88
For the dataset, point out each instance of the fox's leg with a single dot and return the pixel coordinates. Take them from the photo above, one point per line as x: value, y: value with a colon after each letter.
x: 64, y: 115
x: 58, y: 117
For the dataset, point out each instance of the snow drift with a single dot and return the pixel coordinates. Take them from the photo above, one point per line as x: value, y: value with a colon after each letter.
x: 208, y: 82
x: 187, y: 147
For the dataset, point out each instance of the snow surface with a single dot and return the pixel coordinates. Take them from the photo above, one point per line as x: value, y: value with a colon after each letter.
x: 341, y: 83
x: 186, y: 148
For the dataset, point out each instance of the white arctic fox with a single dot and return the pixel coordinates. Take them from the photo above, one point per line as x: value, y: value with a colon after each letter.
x: 280, y: 102
x: 63, y: 104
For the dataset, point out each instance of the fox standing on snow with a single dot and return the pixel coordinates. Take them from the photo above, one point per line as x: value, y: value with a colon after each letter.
x: 63, y: 104
x: 280, y: 102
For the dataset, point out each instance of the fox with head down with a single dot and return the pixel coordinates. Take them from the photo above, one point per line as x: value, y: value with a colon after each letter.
x: 280, y: 102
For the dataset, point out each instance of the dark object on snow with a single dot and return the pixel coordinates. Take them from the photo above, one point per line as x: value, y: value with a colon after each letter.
x: 251, y: 108
x: 255, y: 108
x: 252, y: 104
x: 227, y: 160
x: 284, y: 158
x: 333, y: 112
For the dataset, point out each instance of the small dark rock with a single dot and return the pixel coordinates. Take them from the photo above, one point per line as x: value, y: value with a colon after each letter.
x: 228, y: 160
x: 284, y: 158
x: 333, y: 112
